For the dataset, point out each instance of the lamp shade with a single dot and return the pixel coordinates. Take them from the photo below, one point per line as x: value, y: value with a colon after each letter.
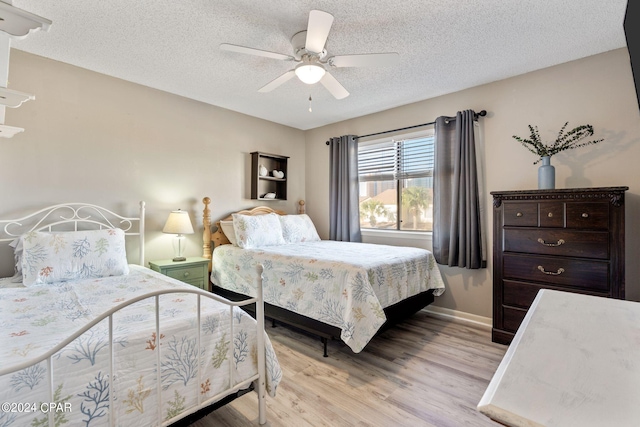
x: 309, y: 73
x: 178, y: 223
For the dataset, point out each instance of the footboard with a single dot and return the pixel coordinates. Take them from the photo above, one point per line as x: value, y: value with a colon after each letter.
x: 56, y: 407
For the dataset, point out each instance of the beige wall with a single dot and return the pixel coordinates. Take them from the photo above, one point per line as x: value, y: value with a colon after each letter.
x: 597, y: 90
x: 96, y: 139
x: 93, y: 138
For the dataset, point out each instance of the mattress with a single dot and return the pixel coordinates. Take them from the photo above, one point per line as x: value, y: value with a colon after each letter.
x: 11, y: 282
x: 343, y: 284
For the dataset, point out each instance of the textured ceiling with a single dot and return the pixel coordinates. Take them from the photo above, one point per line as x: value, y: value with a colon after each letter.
x: 444, y: 47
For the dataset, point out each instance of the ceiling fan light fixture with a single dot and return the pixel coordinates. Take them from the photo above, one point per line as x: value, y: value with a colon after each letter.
x: 309, y: 73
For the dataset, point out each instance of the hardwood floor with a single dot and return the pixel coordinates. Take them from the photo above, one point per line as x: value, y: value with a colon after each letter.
x: 425, y: 371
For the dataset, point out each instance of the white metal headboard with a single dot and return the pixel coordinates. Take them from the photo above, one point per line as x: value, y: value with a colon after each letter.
x: 53, y: 217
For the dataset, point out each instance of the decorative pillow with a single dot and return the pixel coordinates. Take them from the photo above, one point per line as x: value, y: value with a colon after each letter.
x: 229, y: 231
x: 298, y: 228
x: 257, y: 231
x: 59, y: 257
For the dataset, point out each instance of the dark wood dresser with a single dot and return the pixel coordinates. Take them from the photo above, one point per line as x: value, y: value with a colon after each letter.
x: 569, y: 240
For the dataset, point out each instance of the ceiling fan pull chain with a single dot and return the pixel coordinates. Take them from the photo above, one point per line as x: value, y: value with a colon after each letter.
x: 310, y: 103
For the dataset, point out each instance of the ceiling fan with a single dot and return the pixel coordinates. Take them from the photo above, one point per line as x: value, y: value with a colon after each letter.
x: 313, y: 61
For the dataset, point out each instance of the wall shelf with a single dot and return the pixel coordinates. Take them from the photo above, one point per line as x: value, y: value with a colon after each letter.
x: 271, y: 178
x: 261, y: 185
x: 14, y: 24
x: 9, y: 131
x: 19, y: 23
x: 12, y: 98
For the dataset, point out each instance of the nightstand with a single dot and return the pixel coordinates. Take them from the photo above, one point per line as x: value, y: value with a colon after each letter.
x: 194, y: 271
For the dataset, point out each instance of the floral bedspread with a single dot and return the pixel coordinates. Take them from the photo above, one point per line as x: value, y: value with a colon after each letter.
x: 343, y: 284
x: 34, y: 319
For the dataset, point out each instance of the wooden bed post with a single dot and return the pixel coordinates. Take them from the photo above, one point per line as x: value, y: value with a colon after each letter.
x: 301, y: 207
x: 206, y: 234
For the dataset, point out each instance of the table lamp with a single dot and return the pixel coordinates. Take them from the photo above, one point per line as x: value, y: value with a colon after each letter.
x: 179, y: 224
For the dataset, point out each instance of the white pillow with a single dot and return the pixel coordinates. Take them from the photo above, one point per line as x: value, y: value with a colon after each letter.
x: 59, y: 257
x: 298, y: 228
x: 16, y: 244
x: 229, y: 231
x: 257, y: 231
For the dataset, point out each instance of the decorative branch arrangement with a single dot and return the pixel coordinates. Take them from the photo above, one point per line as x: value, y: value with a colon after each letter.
x: 564, y: 141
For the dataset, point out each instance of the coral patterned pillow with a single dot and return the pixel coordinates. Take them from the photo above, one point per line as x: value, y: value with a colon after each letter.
x: 257, y: 231
x: 298, y: 228
x: 60, y: 257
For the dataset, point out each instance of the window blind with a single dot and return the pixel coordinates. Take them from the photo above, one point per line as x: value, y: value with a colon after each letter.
x: 394, y: 160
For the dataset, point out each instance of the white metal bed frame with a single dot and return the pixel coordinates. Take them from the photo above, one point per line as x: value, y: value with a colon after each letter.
x: 75, y: 213
x: 81, y: 213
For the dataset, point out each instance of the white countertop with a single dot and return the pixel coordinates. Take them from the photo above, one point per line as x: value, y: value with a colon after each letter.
x: 574, y: 361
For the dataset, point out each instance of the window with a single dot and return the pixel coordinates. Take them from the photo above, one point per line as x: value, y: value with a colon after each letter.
x: 396, y: 182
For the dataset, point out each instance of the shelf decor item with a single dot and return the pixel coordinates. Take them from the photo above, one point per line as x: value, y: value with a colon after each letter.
x: 564, y: 141
x: 179, y: 224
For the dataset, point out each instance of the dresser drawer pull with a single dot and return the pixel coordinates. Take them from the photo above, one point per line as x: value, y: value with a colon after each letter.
x: 560, y: 242
x: 186, y: 274
x: 585, y: 215
x: 519, y: 214
x: 551, y: 273
x: 550, y: 214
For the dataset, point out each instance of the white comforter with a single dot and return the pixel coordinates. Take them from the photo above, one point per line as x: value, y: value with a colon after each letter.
x: 343, y: 284
x: 35, y: 319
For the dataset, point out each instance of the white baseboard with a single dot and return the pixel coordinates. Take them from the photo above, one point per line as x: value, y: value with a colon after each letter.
x: 449, y: 314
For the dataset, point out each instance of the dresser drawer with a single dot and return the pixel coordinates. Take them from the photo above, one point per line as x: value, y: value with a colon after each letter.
x: 585, y: 244
x: 199, y: 283
x: 591, y: 216
x: 589, y: 275
x: 551, y: 214
x: 512, y: 318
x: 521, y: 294
x: 194, y: 271
x: 518, y: 294
x: 520, y: 214
x: 186, y: 273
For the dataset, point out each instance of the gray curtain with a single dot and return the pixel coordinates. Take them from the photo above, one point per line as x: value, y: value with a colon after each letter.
x: 344, y: 214
x: 457, y: 231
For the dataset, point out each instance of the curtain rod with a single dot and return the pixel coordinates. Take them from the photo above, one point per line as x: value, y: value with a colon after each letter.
x: 475, y: 117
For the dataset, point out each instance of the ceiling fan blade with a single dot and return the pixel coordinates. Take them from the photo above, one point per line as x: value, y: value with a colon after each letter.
x: 337, y: 90
x: 364, y: 60
x: 318, y: 30
x: 277, y: 82
x: 257, y: 52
